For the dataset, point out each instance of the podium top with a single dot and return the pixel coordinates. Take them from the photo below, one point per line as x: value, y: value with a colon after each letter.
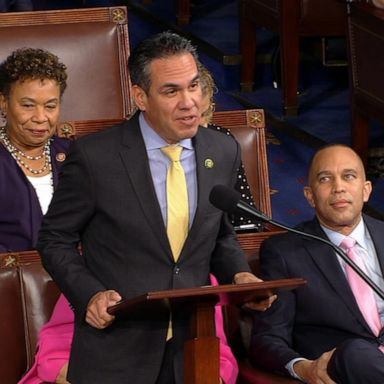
x: 236, y: 294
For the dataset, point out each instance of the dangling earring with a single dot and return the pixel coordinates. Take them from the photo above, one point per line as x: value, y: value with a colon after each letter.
x: 3, y: 119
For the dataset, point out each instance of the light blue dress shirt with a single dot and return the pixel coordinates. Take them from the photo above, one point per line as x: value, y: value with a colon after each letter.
x: 159, y: 163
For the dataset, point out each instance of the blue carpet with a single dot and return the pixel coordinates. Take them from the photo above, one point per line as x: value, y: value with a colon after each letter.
x: 324, y: 114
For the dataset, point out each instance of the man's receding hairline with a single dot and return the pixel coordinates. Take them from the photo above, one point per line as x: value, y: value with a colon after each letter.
x: 333, y: 146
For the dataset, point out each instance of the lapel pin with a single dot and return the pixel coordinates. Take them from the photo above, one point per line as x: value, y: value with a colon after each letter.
x: 60, y: 156
x: 208, y: 163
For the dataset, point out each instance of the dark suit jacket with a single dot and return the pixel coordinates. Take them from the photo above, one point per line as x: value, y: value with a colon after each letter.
x: 106, y: 199
x: 15, y: 5
x: 20, y: 211
x: 314, y: 318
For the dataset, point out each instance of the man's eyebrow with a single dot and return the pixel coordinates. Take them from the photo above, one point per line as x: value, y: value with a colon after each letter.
x: 31, y: 99
x: 174, y: 85
x: 169, y: 85
x: 327, y: 173
x: 323, y: 173
x: 353, y: 170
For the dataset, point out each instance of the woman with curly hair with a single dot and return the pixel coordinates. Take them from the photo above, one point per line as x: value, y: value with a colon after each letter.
x: 32, y: 83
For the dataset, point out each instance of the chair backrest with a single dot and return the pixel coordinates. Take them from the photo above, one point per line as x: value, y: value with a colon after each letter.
x: 13, y: 353
x: 314, y: 18
x: 92, y: 43
x: 323, y: 18
x: 366, y: 46
x: 366, y: 55
x: 27, y: 298
x: 291, y: 19
x: 248, y: 127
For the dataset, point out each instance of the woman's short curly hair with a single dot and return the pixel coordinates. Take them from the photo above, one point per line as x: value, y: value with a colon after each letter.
x: 31, y: 64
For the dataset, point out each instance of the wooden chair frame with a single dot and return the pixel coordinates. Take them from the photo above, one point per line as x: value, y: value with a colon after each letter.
x: 289, y: 19
x: 98, y: 78
x: 366, y: 44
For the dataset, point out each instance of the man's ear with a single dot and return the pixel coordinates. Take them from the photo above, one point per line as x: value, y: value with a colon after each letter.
x: 140, y: 97
x: 367, y: 189
x: 309, y: 196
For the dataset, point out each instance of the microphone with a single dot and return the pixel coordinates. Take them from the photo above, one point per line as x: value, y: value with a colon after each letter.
x: 229, y: 200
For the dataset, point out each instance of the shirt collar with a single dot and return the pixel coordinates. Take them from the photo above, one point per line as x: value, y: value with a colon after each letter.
x: 153, y: 140
x: 357, y: 234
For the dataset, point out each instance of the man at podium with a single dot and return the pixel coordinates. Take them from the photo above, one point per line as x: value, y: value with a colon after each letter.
x: 135, y: 197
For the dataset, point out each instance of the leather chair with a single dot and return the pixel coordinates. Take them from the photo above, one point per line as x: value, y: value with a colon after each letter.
x: 291, y: 20
x: 248, y: 127
x: 27, y: 297
x: 92, y: 42
x: 366, y: 56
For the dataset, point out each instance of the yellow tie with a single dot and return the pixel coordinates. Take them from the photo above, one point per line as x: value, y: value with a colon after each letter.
x: 177, y: 207
x: 177, y: 201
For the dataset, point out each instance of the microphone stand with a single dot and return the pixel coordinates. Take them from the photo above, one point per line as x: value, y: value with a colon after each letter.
x: 254, y: 212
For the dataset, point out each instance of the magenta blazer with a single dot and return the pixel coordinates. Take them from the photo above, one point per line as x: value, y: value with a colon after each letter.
x: 54, y: 345
x: 55, y: 339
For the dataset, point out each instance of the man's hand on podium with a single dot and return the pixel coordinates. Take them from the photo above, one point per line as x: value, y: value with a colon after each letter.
x: 247, y: 277
x: 97, y: 315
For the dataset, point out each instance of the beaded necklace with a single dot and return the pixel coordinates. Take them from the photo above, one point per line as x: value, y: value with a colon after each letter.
x: 18, y: 155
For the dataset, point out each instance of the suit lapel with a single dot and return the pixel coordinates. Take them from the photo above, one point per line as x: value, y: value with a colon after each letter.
x: 135, y: 160
x: 205, y: 182
x: 205, y: 177
x: 376, y: 229
x: 326, y: 260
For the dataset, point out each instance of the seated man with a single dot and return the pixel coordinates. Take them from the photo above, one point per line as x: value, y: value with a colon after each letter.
x: 321, y: 332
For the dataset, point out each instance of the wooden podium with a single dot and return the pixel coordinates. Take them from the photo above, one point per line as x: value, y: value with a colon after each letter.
x: 201, y: 351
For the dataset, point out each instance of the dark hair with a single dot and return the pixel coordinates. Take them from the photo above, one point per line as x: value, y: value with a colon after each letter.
x: 162, y: 45
x: 30, y: 63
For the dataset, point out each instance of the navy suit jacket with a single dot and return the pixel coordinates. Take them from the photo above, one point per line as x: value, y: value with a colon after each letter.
x: 314, y: 318
x: 20, y: 211
x: 15, y: 5
x: 106, y: 200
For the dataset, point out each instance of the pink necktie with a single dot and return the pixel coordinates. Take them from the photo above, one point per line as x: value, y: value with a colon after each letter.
x: 363, y: 292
